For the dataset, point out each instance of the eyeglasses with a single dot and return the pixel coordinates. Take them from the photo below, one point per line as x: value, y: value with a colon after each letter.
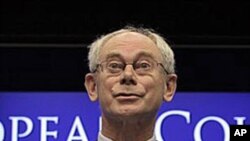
x: 141, y: 67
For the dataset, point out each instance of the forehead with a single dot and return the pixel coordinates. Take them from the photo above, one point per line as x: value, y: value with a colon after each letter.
x: 130, y: 44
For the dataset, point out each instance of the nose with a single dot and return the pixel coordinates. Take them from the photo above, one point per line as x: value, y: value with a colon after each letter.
x: 128, y: 76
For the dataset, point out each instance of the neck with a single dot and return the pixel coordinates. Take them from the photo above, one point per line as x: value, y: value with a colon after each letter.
x: 128, y: 129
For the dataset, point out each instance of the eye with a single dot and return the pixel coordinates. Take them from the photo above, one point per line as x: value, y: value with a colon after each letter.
x: 143, y: 65
x: 115, y: 66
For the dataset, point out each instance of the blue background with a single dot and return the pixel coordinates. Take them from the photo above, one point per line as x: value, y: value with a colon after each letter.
x: 68, y: 105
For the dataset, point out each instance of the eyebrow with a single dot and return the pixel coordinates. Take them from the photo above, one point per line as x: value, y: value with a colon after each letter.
x: 145, y: 54
x: 114, y: 54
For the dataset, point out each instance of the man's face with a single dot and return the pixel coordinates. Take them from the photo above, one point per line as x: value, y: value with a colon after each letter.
x: 128, y: 93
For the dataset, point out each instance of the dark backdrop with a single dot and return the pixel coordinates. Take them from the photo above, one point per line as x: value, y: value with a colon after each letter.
x: 43, y: 43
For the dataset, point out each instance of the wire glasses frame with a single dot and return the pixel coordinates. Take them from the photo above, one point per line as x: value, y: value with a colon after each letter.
x: 140, y: 67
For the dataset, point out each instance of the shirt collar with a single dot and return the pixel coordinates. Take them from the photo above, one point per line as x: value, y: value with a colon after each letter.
x: 101, y: 137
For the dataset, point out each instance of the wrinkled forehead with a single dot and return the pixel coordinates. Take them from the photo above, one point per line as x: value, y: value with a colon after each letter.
x: 130, y: 44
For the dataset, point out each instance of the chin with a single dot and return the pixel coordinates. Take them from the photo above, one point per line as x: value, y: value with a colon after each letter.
x: 131, y: 113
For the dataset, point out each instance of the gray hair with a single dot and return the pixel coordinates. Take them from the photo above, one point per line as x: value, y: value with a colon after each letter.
x: 165, y: 49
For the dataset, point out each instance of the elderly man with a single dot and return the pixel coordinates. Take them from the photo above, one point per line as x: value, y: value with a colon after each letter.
x: 131, y: 74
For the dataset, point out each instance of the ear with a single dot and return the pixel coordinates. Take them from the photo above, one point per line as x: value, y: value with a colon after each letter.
x: 171, y: 85
x: 90, y: 85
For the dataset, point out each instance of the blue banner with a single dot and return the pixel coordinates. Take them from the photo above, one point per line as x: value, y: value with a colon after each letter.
x: 71, y: 116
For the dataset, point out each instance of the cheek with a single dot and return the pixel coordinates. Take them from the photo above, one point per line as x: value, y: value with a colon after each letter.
x: 104, y: 91
x: 105, y: 83
x: 153, y: 82
x: 154, y: 87
x: 104, y: 87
